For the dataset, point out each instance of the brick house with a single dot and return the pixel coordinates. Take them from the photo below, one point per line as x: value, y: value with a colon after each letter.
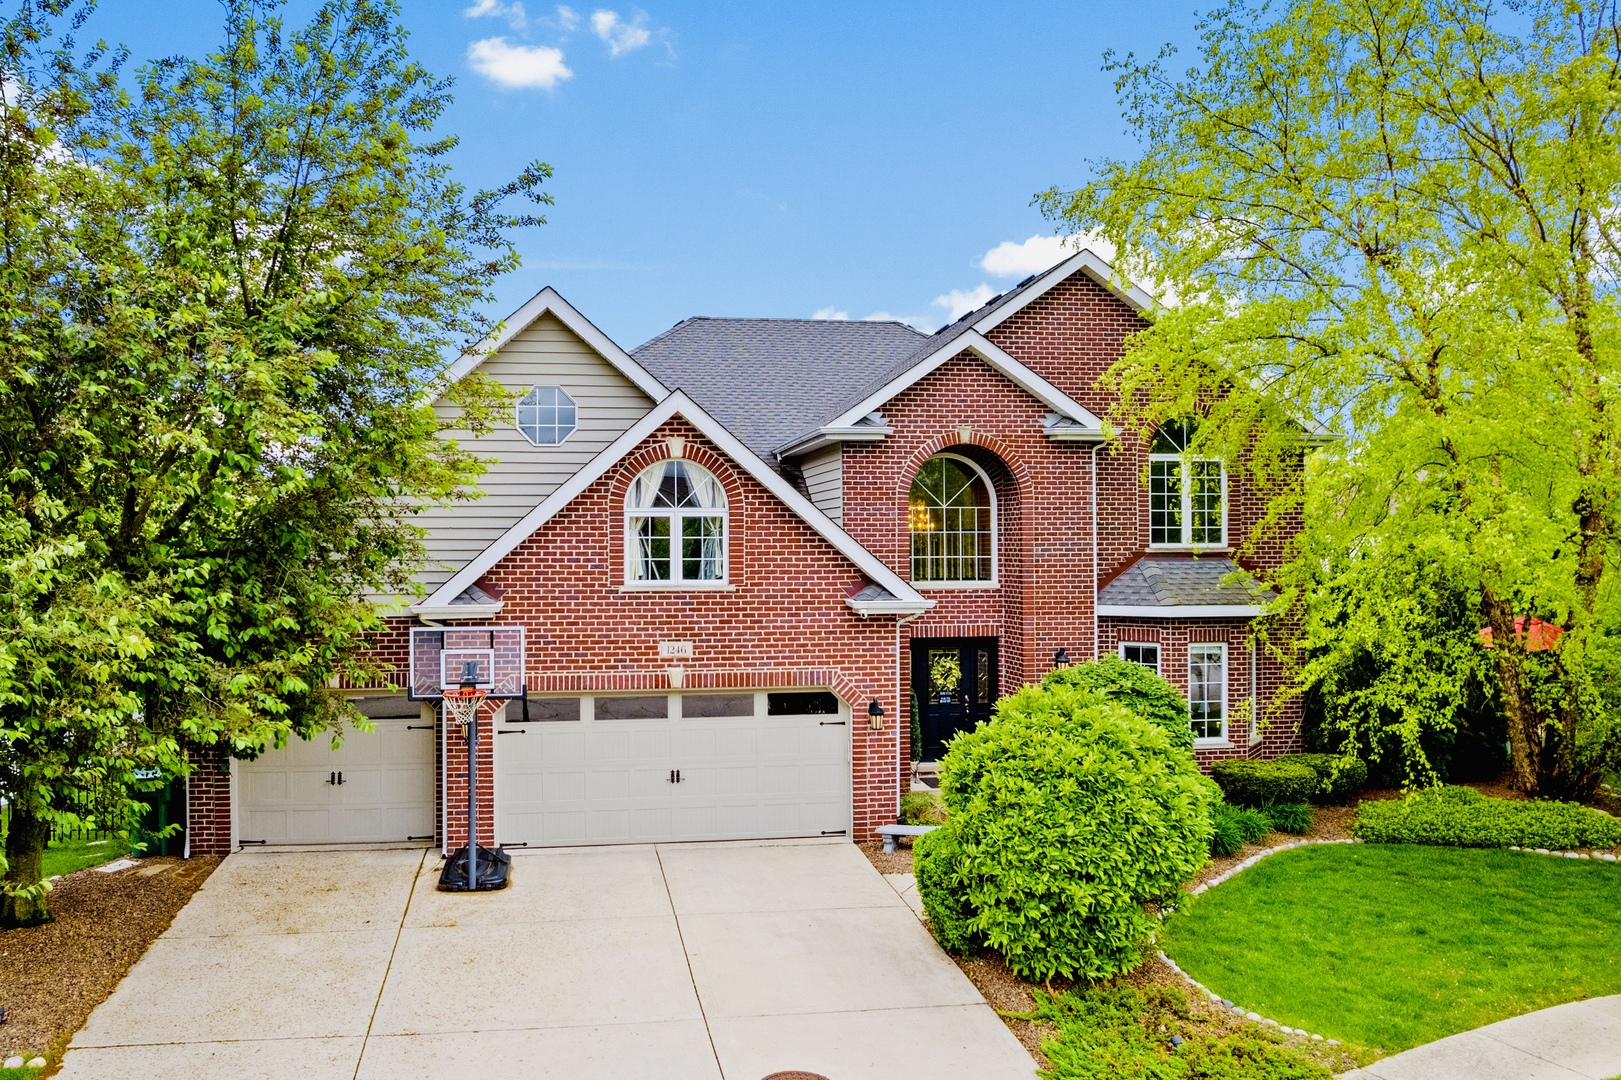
x: 742, y: 553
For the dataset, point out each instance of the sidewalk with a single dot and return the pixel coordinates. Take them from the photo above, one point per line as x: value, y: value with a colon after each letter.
x: 1578, y: 1041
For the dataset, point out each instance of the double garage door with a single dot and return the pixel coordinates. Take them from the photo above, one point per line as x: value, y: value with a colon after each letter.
x: 582, y: 770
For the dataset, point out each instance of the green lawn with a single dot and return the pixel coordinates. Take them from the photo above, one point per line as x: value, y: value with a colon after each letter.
x: 69, y: 855
x: 1393, y: 945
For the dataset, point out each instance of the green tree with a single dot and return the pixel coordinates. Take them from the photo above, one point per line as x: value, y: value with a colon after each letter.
x: 1396, y: 218
x: 227, y: 287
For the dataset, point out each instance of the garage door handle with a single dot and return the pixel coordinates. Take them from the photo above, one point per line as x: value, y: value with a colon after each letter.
x: 340, y: 778
x: 511, y: 731
x: 831, y: 723
x: 418, y: 727
x: 332, y: 778
x: 675, y: 776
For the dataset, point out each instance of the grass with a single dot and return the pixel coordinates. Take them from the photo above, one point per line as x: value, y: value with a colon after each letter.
x: 67, y: 856
x: 1391, y: 946
x: 19, y: 1074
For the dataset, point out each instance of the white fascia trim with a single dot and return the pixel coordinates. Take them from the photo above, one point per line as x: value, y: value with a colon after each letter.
x: 436, y: 612
x: 1186, y: 611
x: 1054, y: 398
x: 1085, y: 261
x: 677, y: 403
x: 888, y: 607
x: 834, y: 436
x: 549, y: 299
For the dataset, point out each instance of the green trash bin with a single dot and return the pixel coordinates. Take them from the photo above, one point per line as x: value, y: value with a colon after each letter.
x: 165, y: 799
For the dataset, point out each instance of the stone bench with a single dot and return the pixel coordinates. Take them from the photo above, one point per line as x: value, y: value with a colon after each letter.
x: 890, y: 832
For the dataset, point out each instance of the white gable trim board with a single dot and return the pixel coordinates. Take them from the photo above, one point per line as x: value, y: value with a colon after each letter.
x: 1089, y: 264
x: 550, y: 300
x: 906, y: 599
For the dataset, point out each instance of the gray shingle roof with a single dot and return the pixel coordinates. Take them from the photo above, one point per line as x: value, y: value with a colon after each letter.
x: 1179, y: 581
x: 771, y: 380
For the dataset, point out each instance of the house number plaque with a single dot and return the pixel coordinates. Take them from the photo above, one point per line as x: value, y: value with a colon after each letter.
x: 675, y: 650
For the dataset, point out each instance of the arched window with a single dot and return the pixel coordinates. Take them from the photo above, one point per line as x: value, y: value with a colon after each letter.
x: 1187, y: 496
x: 675, y: 517
x: 547, y: 415
x: 953, y: 521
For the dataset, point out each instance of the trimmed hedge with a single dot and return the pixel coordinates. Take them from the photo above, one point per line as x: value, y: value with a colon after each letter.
x: 1256, y: 783
x: 937, y: 865
x: 1071, y: 811
x: 1339, y: 777
x: 1463, y: 817
x: 1134, y: 686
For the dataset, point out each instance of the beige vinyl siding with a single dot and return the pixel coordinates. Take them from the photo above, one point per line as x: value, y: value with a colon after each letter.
x: 824, y: 480
x: 522, y: 474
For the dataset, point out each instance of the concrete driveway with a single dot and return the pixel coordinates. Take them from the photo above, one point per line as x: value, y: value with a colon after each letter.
x: 683, y: 962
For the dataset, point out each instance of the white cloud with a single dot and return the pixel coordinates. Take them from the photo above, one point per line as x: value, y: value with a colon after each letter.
x: 512, y: 12
x: 1012, y: 259
x: 831, y: 312
x: 959, y: 302
x: 567, y: 18
x: 518, y: 66
x: 621, y: 36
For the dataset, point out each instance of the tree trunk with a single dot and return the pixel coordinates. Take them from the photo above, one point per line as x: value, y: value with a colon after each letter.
x: 1524, y: 725
x: 22, y: 891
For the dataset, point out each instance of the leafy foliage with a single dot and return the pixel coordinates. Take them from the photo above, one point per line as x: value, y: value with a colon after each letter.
x: 1070, y: 812
x: 1122, y: 1033
x: 1351, y: 210
x: 1258, y: 782
x: 922, y: 808
x: 1338, y: 777
x: 225, y: 299
x: 937, y: 865
x: 1136, y: 687
x: 1289, y: 817
x: 1463, y: 817
x: 1235, y: 826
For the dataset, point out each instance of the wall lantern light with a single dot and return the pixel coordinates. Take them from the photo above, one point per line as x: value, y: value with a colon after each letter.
x: 1061, y: 658
x: 875, y: 715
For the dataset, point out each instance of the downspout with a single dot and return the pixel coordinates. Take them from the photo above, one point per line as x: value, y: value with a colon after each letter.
x: 1095, y: 448
x: 1255, y: 692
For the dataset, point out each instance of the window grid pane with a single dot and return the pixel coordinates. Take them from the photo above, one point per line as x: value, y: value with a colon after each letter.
x: 1205, y: 499
x: 1207, y: 691
x: 1146, y: 655
x: 547, y: 415
x: 700, y: 548
x: 951, y: 524
x: 1165, y: 502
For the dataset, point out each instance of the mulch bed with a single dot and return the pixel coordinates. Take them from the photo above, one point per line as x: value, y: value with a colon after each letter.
x: 51, y: 976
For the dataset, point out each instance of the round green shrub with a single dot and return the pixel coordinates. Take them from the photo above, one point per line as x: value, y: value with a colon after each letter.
x: 936, y: 863
x: 1071, y: 811
x: 1248, y: 782
x: 922, y: 808
x: 1338, y: 777
x: 1289, y: 817
x: 1136, y: 687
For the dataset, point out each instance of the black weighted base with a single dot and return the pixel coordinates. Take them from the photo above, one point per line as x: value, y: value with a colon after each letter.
x: 493, y: 868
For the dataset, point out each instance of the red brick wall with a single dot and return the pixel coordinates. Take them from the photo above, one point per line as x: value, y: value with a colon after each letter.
x: 781, y: 622
x: 208, y: 801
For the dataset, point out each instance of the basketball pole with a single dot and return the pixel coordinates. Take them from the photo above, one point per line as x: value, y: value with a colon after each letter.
x: 470, y: 682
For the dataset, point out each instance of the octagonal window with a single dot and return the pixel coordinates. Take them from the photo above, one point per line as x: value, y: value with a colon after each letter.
x: 547, y: 415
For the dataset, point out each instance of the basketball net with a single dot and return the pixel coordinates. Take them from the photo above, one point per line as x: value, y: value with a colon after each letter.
x: 461, y: 705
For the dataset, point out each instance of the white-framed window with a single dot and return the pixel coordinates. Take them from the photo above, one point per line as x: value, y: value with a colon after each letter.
x: 1141, y: 652
x: 1187, y: 496
x: 675, y: 526
x: 952, y: 519
x: 1207, y: 691
x: 546, y: 415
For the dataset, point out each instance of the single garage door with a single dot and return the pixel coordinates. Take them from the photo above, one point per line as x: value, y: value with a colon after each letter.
x: 376, y: 787
x: 697, y: 766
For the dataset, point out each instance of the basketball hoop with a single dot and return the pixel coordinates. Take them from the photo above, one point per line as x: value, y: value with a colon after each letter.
x: 471, y: 868
x: 461, y: 705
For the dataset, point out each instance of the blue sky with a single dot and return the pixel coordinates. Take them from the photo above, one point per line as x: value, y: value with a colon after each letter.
x: 763, y: 159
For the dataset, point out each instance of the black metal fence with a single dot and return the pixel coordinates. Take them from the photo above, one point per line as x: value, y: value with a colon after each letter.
x: 103, y: 814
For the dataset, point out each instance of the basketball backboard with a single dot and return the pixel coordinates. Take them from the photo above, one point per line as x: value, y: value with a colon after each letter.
x: 439, y: 656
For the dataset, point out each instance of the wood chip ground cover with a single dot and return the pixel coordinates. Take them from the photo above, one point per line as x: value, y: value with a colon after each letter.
x: 51, y: 976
